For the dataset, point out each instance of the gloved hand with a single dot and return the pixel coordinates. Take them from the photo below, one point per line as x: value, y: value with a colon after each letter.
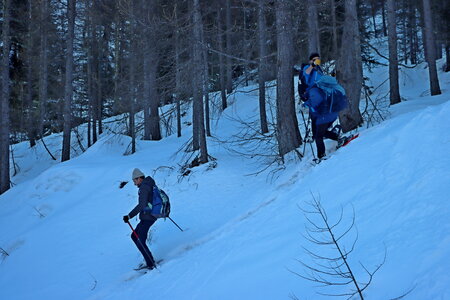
x: 126, y: 218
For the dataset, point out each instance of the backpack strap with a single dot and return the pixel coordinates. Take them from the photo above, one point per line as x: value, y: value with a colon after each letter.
x: 311, y: 78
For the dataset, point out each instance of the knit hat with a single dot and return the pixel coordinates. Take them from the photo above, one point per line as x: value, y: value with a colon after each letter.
x: 314, y: 54
x: 136, y: 174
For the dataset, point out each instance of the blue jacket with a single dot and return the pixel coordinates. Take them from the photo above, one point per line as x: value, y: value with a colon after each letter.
x: 145, y: 196
x: 312, y: 77
x: 317, y: 107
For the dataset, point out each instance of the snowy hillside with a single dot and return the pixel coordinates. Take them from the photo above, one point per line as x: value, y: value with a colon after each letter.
x: 62, y: 227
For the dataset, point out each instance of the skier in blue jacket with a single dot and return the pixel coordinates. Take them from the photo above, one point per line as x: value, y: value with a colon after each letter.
x: 321, y: 118
x: 145, y: 185
x: 313, y: 71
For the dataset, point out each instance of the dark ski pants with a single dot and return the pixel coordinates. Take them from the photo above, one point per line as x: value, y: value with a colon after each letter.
x: 320, y: 131
x: 142, y: 231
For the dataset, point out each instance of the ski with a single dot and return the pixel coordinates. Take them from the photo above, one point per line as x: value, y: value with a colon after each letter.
x: 317, y: 161
x: 142, y: 270
x: 143, y: 267
x: 341, y: 143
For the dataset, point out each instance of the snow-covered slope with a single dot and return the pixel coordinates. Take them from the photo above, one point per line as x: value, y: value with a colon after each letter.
x: 65, y: 237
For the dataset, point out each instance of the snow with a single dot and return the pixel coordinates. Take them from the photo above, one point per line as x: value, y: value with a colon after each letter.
x: 62, y: 227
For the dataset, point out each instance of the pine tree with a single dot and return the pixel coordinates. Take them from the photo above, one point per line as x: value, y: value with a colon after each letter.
x: 43, y: 64
x: 68, y: 86
x: 262, y: 64
x: 350, y: 68
x: 222, y: 74
x: 288, y: 134
x: 152, y: 129
x: 313, y: 27
x: 4, y: 100
x: 430, y: 46
x: 198, y: 114
x: 394, y: 90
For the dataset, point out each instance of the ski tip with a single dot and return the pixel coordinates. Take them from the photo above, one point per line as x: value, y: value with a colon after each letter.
x: 350, y: 139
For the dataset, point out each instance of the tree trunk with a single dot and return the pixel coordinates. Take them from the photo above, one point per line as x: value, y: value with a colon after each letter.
x: 117, y: 61
x: 98, y: 77
x: 99, y: 98
x: 91, y: 86
x: 221, y: 60
x: 198, y: 114
x: 31, y: 130
x: 206, y: 85
x: 94, y: 80
x: 4, y: 100
x: 151, y: 99
x: 43, y: 67
x: 178, y: 72
x: 132, y: 77
x: 89, y: 125
x: 229, y: 47
x: 262, y: 66
x: 374, y: 14
x: 196, y: 88
x: 383, y: 13
x: 404, y: 40
x: 89, y: 80
x: 155, y: 130
x: 288, y: 134
x: 439, y: 47
x: 102, y: 58
x: 246, y: 47
x: 412, y: 32
x: 313, y: 27
x: 68, y: 86
x: 447, y: 57
x: 394, y: 92
x: 431, y: 50
x: 350, y: 68
x: 334, y: 25
x: 207, y: 112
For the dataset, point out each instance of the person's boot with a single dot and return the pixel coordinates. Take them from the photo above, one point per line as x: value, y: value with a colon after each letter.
x: 144, y: 266
x: 342, y: 141
x: 337, y: 129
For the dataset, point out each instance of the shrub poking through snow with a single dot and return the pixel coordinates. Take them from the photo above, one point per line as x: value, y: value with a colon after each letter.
x: 330, y: 266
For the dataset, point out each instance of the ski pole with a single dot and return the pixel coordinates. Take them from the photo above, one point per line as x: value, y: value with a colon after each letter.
x: 307, y: 132
x: 134, y: 232
x: 175, y: 223
x: 310, y: 144
x: 140, y: 243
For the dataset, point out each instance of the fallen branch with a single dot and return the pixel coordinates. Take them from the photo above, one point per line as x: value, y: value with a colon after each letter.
x: 3, y: 252
x: 42, y: 140
x: 41, y: 215
x: 95, y: 282
x: 387, y: 58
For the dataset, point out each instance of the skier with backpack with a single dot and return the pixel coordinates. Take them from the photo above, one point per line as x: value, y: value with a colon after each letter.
x: 325, y: 98
x: 146, y: 186
x: 308, y: 75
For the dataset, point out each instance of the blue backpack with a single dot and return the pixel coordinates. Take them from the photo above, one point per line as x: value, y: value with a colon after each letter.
x: 160, y: 207
x: 335, y: 98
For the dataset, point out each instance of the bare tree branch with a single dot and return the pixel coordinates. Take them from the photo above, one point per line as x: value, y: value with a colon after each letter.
x: 326, y: 270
